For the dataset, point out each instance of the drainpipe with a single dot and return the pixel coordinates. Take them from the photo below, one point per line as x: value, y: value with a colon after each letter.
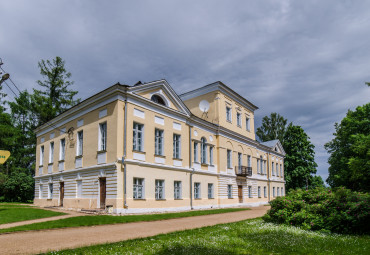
x: 268, y: 175
x: 124, y: 157
x: 191, y: 174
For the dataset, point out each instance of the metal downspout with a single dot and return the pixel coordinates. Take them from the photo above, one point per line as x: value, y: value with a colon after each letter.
x: 124, y: 157
x: 191, y: 173
x: 268, y: 175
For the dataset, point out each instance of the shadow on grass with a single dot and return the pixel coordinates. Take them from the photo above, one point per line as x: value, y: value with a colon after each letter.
x: 193, y: 249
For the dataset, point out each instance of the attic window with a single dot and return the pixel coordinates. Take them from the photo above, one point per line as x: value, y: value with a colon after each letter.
x: 276, y: 149
x: 157, y: 99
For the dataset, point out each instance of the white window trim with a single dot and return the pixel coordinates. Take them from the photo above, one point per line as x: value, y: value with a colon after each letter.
x: 50, y: 190
x: 143, y: 188
x: 239, y: 119
x: 211, y: 194
x: 62, y: 149
x: 229, y: 159
x: 79, y: 149
x: 51, y: 152
x: 158, y: 150
x: 42, y: 151
x: 229, y: 117
x: 180, y: 190
x: 229, y: 191
x: 142, y: 141
x: 198, y: 193
x: 179, y: 146
x: 100, y: 145
x: 163, y: 190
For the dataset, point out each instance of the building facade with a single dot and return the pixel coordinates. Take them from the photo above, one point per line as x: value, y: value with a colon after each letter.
x: 143, y: 148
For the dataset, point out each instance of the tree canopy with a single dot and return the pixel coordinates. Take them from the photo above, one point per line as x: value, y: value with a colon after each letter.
x: 273, y: 127
x: 350, y: 151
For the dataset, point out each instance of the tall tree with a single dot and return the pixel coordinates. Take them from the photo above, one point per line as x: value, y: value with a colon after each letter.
x: 272, y: 128
x: 350, y: 151
x: 56, y: 96
x: 299, y: 162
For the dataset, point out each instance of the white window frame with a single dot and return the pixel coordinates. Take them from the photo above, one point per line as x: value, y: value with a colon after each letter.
x: 210, y: 191
x: 211, y: 155
x: 176, y: 146
x: 158, y: 141
x: 51, y: 152
x: 138, y: 188
x: 40, y: 191
x: 42, y: 151
x: 80, y: 143
x: 177, y: 186
x: 239, y: 119
x: 249, y: 158
x: 50, y: 190
x: 250, y: 192
x: 103, y: 133
x: 203, y: 150
x: 281, y: 170
x: 278, y: 191
x: 258, y: 166
x: 273, y: 191
x: 272, y: 168
x: 264, y: 191
x: 62, y: 149
x: 197, y: 190
x: 282, y: 193
x: 78, y: 188
x: 159, y: 190
x: 196, y: 153
x: 247, y: 124
x: 229, y: 157
x: 138, y: 142
x: 228, y: 114
x: 259, y: 191
x: 229, y: 191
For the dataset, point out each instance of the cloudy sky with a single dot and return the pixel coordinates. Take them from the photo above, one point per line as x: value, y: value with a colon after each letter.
x: 307, y: 60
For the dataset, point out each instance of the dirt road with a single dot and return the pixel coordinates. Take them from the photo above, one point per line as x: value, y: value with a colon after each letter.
x: 50, y: 240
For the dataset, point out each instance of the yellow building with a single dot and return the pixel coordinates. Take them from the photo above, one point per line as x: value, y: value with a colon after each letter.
x: 143, y: 148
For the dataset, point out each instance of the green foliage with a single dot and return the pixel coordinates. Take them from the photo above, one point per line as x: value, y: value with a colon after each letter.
x: 350, y: 151
x: 299, y: 162
x: 17, y: 186
x: 245, y: 237
x: 56, y: 96
x: 273, y: 127
x: 340, y: 211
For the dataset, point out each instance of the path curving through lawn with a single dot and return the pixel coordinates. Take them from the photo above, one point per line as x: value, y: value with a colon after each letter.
x: 33, y: 242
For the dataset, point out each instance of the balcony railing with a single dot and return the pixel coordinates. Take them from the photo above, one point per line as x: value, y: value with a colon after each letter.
x: 243, y: 171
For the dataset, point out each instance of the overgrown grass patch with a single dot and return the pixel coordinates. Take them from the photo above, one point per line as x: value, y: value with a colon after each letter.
x: 108, y: 219
x: 14, y: 213
x: 246, y: 237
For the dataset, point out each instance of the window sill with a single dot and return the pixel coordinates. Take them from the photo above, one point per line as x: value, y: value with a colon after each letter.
x: 80, y: 156
x: 230, y: 198
x: 239, y: 126
x: 161, y: 199
x: 177, y: 159
x: 102, y: 151
x: 178, y: 199
x: 204, y: 164
x: 211, y: 198
x: 229, y: 121
x: 141, y: 152
x: 60, y: 161
x: 50, y: 164
x: 197, y: 199
x: 160, y: 156
x: 140, y: 199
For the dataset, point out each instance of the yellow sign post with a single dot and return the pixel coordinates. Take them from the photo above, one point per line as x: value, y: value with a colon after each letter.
x: 4, y: 155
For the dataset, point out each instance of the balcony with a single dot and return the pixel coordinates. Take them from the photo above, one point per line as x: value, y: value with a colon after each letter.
x: 243, y: 171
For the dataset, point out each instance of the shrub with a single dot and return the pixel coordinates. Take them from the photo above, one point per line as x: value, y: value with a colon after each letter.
x: 340, y: 211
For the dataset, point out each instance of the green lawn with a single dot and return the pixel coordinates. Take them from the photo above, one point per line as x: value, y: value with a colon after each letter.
x: 108, y: 219
x: 245, y: 237
x: 12, y: 212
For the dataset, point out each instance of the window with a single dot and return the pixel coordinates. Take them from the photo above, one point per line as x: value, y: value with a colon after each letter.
x: 239, y: 119
x: 176, y: 146
x: 250, y: 191
x: 103, y: 136
x: 228, y: 114
x: 195, y: 152
x: 211, y: 155
x: 138, y: 137
x: 247, y: 124
x: 210, y: 190
x: 138, y: 188
x: 79, y: 189
x: 264, y: 192
x: 258, y: 166
x: 272, y: 168
x: 158, y: 99
x: 249, y: 161
x: 50, y: 191
x: 277, y: 169
x: 158, y: 142
x: 273, y: 191
x: 240, y: 160
x: 197, y: 190
x: 159, y: 189
x: 51, y: 152
x: 41, y: 155
x: 264, y: 166
x: 62, y: 150
x: 229, y: 159
x: 261, y: 165
x: 40, y: 191
x: 278, y: 191
x: 177, y: 190
x: 229, y: 191
x: 282, y: 193
x: 80, y: 143
x: 281, y: 170
x: 203, y: 154
x: 259, y: 191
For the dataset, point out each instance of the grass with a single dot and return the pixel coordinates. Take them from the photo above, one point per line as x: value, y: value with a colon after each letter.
x: 108, y: 219
x: 245, y: 237
x: 12, y: 212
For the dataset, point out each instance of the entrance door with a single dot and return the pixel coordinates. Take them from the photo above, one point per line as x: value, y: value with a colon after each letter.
x: 103, y: 192
x: 240, y: 193
x: 61, y: 193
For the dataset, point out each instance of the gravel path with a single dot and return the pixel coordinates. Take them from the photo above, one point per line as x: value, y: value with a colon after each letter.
x: 33, y: 242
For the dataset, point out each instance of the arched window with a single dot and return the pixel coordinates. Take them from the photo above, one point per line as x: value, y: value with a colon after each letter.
x: 203, y: 154
x: 158, y: 99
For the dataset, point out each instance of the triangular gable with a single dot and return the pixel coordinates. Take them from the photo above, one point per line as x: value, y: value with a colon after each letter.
x: 275, y: 146
x: 162, y: 89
